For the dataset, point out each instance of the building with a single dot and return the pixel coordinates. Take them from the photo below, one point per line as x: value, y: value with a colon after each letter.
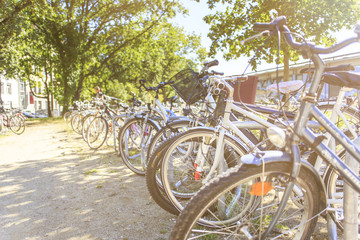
x: 16, y: 94
x: 268, y: 76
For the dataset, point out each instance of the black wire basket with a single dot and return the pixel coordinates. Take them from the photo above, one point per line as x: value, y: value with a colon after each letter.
x: 188, y: 86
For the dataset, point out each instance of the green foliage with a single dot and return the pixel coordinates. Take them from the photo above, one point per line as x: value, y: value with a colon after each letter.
x: 86, y: 43
x: 314, y: 19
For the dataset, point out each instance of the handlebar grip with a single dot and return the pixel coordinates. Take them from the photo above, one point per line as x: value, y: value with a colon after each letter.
x: 260, y: 27
x: 212, y: 63
x: 279, y: 21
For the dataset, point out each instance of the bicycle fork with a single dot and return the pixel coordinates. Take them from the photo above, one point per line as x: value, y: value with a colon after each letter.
x: 289, y: 188
x: 204, y: 151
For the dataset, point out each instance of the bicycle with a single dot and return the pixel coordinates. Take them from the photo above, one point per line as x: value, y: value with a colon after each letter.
x: 138, y: 132
x: 106, y: 123
x: 274, y: 183
x: 14, y: 122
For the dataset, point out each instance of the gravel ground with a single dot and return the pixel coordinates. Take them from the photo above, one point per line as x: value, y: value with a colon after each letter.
x: 53, y: 186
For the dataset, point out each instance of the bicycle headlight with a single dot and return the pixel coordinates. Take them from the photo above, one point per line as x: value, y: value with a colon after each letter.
x: 276, y: 136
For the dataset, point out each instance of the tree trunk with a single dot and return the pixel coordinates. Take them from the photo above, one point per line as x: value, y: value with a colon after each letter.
x: 79, y: 88
x: 48, y: 99
x: 49, y: 106
x: 66, y: 95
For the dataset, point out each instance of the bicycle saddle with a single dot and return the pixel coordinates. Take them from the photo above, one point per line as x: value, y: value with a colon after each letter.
x: 343, y: 79
x: 286, y: 87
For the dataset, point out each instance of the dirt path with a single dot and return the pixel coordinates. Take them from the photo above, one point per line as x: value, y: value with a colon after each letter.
x: 52, y: 186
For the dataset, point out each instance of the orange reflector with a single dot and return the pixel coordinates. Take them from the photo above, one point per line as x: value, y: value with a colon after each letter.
x: 258, y: 189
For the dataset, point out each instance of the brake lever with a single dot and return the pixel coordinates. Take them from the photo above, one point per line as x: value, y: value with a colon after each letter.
x: 265, y: 33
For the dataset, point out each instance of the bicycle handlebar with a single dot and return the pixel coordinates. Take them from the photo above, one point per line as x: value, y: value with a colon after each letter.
x: 212, y: 63
x: 159, y: 86
x: 279, y: 23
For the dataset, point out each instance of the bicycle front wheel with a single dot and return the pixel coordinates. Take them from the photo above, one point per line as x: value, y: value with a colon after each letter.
x: 86, y: 123
x: 242, y: 202
x: 76, y: 123
x: 97, y: 132
x: 189, y: 161
x: 335, y: 189
x: 134, y: 139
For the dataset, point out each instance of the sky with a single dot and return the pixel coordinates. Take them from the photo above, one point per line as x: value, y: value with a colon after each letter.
x: 194, y: 23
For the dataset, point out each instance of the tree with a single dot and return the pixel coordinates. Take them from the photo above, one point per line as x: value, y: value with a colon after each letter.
x: 99, y: 42
x: 87, y: 34
x: 311, y: 18
x: 28, y: 58
x: 10, y: 24
x: 158, y: 55
x: 9, y: 18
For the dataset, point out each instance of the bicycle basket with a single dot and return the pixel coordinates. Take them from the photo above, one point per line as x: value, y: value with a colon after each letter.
x: 187, y: 86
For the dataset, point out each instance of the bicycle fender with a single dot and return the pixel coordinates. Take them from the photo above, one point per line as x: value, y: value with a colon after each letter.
x: 142, y: 117
x: 279, y: 156
x: 265, y: 156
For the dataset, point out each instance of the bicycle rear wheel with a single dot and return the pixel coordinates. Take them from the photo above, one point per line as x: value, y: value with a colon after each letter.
x: 241, y: 203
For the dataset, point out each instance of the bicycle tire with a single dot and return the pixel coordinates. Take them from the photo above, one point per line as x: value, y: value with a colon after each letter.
x: 170, y: 129
x: 17, y: 125
x: 86, y: 122
x: 179, y: 176
x: 97, y: 132
x: 75, y: 121
x: 335, y: 189
x: 204, y: 206
x: 130, y: 137
x: 160, y: 143
x: 153, y: 183
x: 66, y: 116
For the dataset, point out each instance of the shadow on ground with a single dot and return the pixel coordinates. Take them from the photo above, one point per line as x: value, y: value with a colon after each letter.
x: 52, y: 186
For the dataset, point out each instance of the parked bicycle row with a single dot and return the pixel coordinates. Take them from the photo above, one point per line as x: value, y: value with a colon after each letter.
x: 11, y: 120
x: 236, y: 170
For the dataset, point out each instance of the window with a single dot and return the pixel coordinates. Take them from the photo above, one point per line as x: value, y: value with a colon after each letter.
x: 22, y: 101
x: 40, y: 105
x: 22, y: 86
x: 2, y: 88
x: 8, y: 88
